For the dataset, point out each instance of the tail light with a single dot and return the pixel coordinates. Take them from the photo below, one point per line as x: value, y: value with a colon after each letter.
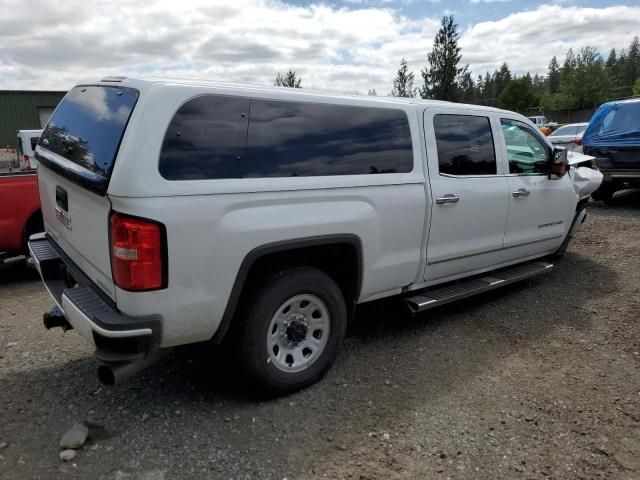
x: 577, y: 141
x: 138, y: 260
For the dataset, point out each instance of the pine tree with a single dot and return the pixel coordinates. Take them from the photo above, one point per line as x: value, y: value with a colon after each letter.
x: 518, y: 95
x: 441, y: 74
x: 612, y: 60
x: 289, y: 79
x: 372, y: 92
x: 553, y: 76
x: 585, y: 82
x: 502, y: 78
x: 631, y: 70
x: 467, y: 88
x: 488, y: 90
x: 403, y: 83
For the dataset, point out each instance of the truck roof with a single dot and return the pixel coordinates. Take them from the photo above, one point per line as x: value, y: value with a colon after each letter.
x: 145, y: 82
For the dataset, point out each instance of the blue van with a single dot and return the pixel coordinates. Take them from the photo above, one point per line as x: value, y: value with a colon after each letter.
x: 613, y: 137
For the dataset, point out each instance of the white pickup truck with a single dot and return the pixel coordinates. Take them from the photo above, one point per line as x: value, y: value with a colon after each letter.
x: 187, y: 211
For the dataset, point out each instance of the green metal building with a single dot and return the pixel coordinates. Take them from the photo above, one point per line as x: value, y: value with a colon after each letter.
x: 25, y: 110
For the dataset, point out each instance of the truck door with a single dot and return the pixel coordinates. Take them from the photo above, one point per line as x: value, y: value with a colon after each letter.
x: 469, y: 192
x: 540, y: 209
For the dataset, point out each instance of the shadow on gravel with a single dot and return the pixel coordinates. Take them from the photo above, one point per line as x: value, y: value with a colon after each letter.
x: 625, y: 199
x: 390, y: 362
x: 16, y: 270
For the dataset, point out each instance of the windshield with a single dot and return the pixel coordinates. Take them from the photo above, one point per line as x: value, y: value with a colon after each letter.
x: 88, y: 125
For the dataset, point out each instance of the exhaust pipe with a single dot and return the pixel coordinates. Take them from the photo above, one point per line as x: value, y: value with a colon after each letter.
x: 114, y: 374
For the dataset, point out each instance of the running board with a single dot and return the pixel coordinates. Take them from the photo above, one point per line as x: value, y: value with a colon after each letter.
x: 466, y: 288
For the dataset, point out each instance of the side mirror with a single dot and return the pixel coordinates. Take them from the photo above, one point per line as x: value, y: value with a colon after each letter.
x: 558, y: 163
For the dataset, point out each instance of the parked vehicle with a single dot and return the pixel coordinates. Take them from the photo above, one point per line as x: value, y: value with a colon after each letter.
x: 27, y: 141
x: 539, y: 120
x: 542, y: 121
x: 20, y: 215
x: 185, y: 211
x: 613, y: 137
x: 569, y: 136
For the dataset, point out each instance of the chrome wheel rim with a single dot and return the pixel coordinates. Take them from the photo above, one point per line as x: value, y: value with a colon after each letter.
x: 298, y: 333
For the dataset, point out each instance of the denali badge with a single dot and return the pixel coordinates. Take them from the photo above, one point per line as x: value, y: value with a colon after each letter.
x: 63, y: 217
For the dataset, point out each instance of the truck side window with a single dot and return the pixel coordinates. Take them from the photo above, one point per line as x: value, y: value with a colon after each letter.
x: 296, y: 139
x: 527, y: 153
x: 218, y: 137
x: 465, y: 145
x: 206, y: 138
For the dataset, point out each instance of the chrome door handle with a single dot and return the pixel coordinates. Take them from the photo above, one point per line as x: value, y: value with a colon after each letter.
x: 448, y: 198
x: 521, y: 192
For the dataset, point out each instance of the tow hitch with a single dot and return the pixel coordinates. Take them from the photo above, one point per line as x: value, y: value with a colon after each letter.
x: 55, y: 318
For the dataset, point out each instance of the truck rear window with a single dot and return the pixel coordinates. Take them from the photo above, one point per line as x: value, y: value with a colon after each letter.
x: 88, y: 125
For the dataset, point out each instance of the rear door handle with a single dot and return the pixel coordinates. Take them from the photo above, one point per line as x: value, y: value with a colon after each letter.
x: 448, y: 198
x: 521, y: 192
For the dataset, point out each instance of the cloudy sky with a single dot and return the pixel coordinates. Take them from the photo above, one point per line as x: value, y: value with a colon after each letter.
x: 345, y: 46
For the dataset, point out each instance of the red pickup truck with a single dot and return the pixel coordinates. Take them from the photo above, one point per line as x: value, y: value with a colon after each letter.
x: 20, y: 215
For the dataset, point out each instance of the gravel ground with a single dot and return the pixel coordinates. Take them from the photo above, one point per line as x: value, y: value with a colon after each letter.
x: 537, y: 380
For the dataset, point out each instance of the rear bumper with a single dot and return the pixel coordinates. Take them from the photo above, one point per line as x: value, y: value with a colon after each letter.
x: 116, y: 336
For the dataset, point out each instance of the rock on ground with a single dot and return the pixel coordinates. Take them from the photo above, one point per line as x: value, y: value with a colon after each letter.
x: 75, y: 437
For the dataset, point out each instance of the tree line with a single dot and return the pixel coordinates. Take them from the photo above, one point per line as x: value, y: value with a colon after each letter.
x: 584, y: 79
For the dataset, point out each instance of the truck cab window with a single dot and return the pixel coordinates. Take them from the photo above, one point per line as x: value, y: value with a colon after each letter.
x: 465, y: 145
x: 527, y: 153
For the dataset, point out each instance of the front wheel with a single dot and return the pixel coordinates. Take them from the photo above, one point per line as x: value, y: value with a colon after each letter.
x: 604, y: 193
x: 291, y: 329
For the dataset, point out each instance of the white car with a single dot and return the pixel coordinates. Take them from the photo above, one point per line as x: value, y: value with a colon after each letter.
x: 186, y: 211
x: 569, y: 136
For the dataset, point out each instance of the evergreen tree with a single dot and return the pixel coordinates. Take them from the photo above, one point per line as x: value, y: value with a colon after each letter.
x: 502, y: 78
x: 289, y: 79
x: 569, y: 65
x: 403, y: 83
x: 488, y: 90
x: 631, y: 69
x: 612, y: 60
x: 553, y: 77
x: 585, y: 82
x: 441, y: 74
x: 518, y: 95
x: 467, y: 88
x: 539, y: 84
x: 372, y: 92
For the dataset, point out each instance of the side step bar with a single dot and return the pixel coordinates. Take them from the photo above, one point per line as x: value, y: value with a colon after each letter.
x: 466, y: 288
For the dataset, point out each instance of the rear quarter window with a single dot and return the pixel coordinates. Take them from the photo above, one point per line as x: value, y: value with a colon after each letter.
x: 210, y: 138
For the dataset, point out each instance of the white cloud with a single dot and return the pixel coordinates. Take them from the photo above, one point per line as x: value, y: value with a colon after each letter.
x: 355, y: 48
x: 527, y: 40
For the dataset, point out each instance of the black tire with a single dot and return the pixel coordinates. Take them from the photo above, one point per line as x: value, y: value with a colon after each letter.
x: 558, y: 254
x: 34, y: 225
x: 604, y: 194
x: 260, y: 306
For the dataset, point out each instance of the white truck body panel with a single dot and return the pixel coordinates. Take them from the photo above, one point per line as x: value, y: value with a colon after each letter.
x: 408, y: 240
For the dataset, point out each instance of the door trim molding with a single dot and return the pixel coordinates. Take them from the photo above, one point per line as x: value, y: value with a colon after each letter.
x: 521, y: 244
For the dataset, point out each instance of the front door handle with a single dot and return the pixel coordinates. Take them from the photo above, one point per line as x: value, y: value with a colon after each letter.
x: 448, y: 198
x: 521, y: 192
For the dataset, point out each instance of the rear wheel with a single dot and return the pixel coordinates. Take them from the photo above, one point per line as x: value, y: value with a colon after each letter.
x: 34, y: 225
x: 291, y: 329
